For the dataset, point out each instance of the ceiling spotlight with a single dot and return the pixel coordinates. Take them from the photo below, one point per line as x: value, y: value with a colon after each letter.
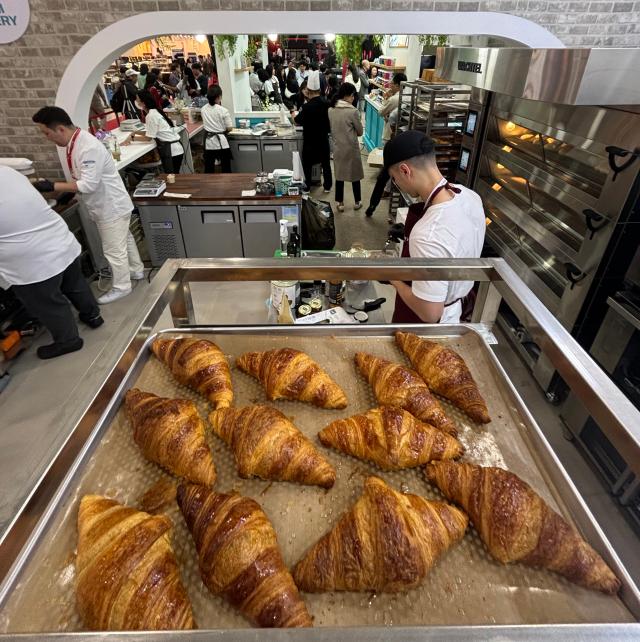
x: 329, y: 37
x: 273, y: 37
x: 201, y: 38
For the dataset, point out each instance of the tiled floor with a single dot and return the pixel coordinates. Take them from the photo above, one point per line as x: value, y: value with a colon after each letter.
x: 36, y: 406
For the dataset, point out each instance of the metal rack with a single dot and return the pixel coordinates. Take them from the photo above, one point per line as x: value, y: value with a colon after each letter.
x: 171, y: 291
x: 440, y: 111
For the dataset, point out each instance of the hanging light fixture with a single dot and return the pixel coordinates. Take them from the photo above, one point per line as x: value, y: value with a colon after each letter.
x: 201, y: 37
x: 329, y: 37
x: 273, y: 37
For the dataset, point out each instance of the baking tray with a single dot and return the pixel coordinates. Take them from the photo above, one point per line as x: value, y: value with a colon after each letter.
x: 465, y: 587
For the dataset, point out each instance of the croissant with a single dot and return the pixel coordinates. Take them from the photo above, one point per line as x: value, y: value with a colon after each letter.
x: 127, y: 575
x: 517, y: 525
x: 290, y: 374
x: 395, y: 385
x: 200, y: 365
x: 446, y: 373
x: 267, y: 445
x: 391, y: 438
x: 170, y: 432
x: 239, y: 557
x: 388, y: 541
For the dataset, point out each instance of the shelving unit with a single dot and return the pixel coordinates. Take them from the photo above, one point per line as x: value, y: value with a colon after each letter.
x: 439, y: 110
x: 388, y: 67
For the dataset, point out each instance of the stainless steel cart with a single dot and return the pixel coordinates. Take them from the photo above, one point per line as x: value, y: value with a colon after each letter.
x: 33, y: 530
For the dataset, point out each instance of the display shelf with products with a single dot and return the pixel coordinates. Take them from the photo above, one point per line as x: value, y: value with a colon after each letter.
x: 389, y: 67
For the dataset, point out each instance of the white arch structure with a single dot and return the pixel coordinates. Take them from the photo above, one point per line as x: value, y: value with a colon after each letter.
x: 85, y: 69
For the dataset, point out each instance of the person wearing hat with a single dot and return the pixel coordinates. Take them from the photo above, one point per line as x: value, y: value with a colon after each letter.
x: 124, y: 98
x: 448, y: 223
x: 314, y: 118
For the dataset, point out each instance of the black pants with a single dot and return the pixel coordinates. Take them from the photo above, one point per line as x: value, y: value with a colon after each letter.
x: 357, y: 195
x: 210, y: 156
x: 177, y: 163
x: 307, y: 167
x: 46, y: 301
x: 378, y: 189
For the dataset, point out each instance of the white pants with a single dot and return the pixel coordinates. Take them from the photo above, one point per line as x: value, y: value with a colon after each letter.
x: 119, y: 248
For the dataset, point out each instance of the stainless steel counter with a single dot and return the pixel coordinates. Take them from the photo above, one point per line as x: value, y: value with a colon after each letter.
x: 170, y: 290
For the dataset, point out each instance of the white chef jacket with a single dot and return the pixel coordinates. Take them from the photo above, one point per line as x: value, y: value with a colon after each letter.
x: 35, y: 243
x: 157, y: 127
x: 99, y: 184
x: 216, y: 118
x: 452, y: 230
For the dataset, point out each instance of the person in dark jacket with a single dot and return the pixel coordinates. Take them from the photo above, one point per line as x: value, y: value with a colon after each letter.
x: 201, y: 79
x: 314, y: 118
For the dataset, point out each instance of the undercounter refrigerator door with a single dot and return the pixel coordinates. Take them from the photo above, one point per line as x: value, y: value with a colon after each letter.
x: 261, y: 227
x: 278, y: 154
x: 246, y: 156
x: 211, y: 231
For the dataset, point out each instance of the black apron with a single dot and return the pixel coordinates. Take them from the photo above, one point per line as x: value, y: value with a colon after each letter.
x: 402, y: 313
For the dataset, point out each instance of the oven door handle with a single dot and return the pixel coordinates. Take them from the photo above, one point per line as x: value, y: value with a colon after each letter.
x: 594, y: 221
x: 574, y: 274
x: 614, y: 151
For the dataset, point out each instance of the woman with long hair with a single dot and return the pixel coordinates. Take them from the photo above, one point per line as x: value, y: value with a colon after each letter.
x: 291, y: 89
x: 150, y: 86
x: 346, y: 127
x: 160, y: 129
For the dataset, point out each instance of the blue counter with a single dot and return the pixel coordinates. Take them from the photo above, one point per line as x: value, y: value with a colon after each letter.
x: 373, y: 126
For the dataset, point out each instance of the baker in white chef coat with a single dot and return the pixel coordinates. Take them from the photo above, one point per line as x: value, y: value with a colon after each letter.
x: 95, y: 177
x: 40, y: 260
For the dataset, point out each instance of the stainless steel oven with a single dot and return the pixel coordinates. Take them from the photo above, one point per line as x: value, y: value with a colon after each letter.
x: 558, y: 174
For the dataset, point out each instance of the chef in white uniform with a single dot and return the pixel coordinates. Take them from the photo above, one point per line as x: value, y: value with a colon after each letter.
x: 96, y: 179
x: 40, y: 260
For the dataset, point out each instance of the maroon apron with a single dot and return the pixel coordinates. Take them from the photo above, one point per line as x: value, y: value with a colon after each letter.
x: 402, y: 313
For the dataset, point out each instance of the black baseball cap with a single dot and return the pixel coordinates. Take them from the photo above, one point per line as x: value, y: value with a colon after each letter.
x: 406, y: 145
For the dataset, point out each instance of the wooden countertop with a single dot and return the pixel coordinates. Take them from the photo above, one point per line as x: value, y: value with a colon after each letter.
x: 211, y: 187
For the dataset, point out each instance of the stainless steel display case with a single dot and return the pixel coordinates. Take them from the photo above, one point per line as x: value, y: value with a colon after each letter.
x: 170, y: 290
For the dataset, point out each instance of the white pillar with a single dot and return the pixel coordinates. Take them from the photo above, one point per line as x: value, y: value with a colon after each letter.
x: 236, y: 96
x: 413, y: 58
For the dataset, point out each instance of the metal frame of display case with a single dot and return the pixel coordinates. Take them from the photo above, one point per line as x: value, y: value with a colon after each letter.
x: 171, y: 290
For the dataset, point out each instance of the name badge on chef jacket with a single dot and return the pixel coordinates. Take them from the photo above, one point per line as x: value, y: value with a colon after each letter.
x: 14, y: 19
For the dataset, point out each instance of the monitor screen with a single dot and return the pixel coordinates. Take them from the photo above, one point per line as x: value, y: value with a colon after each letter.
x: 464, y: 159
x: 472, y: 119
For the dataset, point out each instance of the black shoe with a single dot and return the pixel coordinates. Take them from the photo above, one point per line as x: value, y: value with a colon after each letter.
x: 58, y: 349
x: 369, y: 212
x: 93, y: 322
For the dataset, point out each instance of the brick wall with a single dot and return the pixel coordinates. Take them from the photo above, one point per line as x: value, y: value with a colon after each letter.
x: 34, y: 64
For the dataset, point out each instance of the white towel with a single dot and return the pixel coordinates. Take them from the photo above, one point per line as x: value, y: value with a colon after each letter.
x: 17, y: 163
